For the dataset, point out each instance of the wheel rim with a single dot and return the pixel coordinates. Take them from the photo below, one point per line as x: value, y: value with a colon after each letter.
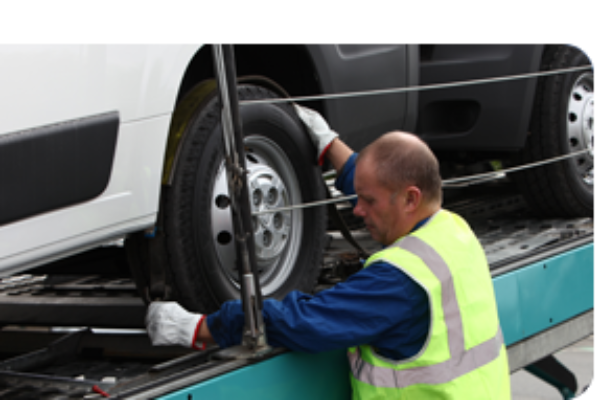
x: 580, y: 126
x: 272, y: 183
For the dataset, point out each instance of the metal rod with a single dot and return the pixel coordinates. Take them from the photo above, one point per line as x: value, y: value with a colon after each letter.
x: 254, y: 332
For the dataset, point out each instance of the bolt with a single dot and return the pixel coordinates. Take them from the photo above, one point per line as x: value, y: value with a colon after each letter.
x: 267, y: 238
x: 272, y: 196
x: 278, y: 221
x: 257, y: 197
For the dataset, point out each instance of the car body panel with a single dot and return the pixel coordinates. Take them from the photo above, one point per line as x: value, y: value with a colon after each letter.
x: 482, y: 117
x: 364, y: 68
x: 45, y: 85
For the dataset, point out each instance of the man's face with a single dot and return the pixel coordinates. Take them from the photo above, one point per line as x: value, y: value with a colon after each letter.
x: 381, y: 214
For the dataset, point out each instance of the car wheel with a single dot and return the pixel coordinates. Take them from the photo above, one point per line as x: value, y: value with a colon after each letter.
x: 196, y: 219
x: 562, y: 123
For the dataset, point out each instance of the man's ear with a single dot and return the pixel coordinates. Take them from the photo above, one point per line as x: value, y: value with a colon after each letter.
x: 412, y: 198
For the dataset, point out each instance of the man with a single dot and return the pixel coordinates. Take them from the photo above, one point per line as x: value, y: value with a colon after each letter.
x: 420, y: 320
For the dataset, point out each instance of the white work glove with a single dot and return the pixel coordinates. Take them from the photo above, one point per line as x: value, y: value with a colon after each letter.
x: 168, y: 323
x: 320, y: 132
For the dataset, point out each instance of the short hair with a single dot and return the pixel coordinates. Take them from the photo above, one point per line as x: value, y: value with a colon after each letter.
x: 402, y: 159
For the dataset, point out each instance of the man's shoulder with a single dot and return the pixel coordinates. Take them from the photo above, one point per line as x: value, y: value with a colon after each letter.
x: 390, y: 275
x: 380, y: 263
x: 377, y: 266
x: 442, y: 222
x: 382, y: 269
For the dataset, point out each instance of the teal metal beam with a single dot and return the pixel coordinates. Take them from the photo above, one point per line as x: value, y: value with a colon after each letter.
x: 289, y: 376
x: 542, y: 295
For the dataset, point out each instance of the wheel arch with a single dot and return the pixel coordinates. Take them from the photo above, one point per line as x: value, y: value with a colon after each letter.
x: 287, y: 70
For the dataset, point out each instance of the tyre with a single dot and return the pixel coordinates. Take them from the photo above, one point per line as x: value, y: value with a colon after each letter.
x: 562, y: 123
x: 196, y: 233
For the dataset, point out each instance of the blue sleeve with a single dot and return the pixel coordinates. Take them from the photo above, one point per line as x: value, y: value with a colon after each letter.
x: 345, y: 180
x: 227, y: 324
x: 378, y: 305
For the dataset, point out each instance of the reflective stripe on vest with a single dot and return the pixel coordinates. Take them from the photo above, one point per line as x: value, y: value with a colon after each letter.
x: 461, y: 361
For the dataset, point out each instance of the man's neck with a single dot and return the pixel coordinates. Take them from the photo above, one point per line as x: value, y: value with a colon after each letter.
x: 424, y: 215
x: 428, y: 210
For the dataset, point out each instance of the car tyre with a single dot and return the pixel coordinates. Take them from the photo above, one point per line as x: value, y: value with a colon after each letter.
x: 195, y: 223
x: 562, y: 123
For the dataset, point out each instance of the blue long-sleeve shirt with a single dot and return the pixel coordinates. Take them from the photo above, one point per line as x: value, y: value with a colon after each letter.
x: 378, y: 305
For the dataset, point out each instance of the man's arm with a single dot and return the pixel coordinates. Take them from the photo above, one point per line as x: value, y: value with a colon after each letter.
x: 204, y: 335
x: 325, y: 139
x: 378, y: 305
x: 338, y: 154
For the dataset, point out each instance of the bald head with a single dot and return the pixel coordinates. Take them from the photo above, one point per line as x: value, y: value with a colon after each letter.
x: 402, y: 159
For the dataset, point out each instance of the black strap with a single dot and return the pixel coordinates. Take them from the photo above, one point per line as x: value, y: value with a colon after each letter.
x: 340, y: 224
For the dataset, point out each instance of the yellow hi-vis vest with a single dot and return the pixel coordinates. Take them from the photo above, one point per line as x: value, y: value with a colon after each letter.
x: 464, y: 356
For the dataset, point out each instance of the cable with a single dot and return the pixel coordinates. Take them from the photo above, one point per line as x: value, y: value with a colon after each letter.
x: 480, y: 178
x: 307, y: 205
x: 417, y: 88
x: 448, y: 183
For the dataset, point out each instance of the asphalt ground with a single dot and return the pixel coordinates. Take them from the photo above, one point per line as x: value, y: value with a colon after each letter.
x: 579, y: 358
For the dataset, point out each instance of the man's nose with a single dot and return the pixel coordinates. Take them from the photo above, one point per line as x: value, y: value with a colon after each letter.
x: 358, y: 210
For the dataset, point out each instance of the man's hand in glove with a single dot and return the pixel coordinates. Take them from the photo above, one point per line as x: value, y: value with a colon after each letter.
x: 320, y: 132
x: 169, y: 324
